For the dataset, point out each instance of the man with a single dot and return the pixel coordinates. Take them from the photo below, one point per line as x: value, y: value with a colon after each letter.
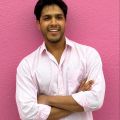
x: 61, y: 80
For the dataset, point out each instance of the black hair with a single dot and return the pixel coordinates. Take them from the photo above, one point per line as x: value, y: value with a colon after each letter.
x: 42, y: 3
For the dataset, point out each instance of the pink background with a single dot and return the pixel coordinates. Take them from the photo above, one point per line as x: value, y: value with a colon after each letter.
x: 90, y: 22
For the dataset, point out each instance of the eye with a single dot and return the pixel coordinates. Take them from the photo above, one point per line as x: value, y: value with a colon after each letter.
x: 59, y: 17
x: 46, y: 18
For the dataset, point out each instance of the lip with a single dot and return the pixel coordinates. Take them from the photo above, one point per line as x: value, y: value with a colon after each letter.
x: 54, y: 31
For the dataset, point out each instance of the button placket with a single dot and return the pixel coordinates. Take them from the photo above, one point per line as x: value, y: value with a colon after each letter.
x: 60, y: 83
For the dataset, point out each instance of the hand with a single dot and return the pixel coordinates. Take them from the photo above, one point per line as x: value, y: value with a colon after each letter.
x: 42, y: 99
x: 85, y: 85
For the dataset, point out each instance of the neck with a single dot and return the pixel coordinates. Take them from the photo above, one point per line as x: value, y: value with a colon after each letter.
x: 55, y: 47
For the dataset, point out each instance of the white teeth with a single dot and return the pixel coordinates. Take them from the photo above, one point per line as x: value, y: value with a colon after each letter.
x: 53, y: 30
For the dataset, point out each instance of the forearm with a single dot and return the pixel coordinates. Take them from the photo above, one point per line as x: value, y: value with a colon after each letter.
x: 57, y: 113
x: 65, y: 102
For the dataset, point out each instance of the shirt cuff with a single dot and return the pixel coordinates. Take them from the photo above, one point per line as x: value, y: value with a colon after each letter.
x: 80, y: 99
x: 43, y: 112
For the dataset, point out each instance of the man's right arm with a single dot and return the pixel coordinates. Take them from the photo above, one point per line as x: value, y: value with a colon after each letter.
x: 26, y: 98
x: 57, y: 113
x: 26, y: 95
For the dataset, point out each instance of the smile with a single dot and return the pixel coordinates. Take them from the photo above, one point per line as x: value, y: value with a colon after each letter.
x: 54, y: 30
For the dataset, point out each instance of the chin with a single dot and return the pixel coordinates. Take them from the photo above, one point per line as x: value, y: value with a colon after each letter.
x: 54, y: 40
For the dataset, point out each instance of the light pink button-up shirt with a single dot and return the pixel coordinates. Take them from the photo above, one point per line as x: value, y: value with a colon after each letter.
x: 39, y: 73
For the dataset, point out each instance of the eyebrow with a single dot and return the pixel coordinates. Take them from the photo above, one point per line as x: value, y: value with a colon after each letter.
x: 47, y: 15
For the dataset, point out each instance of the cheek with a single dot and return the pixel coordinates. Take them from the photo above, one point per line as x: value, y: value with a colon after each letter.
x: 43, y: 25
x: 43, y: 28
x: 62, y: 25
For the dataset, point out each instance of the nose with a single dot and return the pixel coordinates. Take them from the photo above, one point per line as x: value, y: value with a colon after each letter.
x: 53, y: 21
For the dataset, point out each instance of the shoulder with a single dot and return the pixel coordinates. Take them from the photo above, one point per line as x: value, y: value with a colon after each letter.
x: 85, y: 49
x: 90, y: 54
x: 29, y: 59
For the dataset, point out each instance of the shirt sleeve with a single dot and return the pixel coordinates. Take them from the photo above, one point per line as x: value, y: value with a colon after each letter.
x: 93, y: 99
x: 26, y: 95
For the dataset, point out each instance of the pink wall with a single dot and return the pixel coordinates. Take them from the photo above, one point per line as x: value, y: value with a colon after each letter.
x: 91, y: 22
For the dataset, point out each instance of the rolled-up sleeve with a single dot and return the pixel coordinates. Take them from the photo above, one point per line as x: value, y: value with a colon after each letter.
x: 93, y: 99
x: 26, y: 95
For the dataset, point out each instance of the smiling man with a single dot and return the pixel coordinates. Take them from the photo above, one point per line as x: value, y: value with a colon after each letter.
x: 52, y: 23
x: 61, y: 80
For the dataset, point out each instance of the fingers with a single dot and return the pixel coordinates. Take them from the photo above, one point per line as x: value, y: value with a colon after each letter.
x: 86, y: 85
x: 83, y: 82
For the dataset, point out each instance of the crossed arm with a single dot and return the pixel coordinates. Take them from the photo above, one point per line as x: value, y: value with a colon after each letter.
x: 62, y: 106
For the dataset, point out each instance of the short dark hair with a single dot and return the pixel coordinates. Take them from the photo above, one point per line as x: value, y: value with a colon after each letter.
x: 42, y: 3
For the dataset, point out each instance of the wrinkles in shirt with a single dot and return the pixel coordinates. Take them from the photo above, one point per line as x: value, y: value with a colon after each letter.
x: 51, y: 78
x: 59, y: 79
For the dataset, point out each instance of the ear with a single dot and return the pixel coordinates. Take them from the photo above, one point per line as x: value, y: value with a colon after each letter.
x: 38, y: 24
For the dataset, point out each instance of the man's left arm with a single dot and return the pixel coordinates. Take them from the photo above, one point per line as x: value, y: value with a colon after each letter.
x: 88, y: 100
x: 93, y: 99
x: 62, y: 102
x: 66, y: 102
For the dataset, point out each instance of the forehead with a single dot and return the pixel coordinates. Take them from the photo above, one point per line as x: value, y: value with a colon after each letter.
x: 51, y: 9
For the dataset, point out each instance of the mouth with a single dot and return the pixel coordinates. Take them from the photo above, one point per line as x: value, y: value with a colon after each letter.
x: 54, y: 31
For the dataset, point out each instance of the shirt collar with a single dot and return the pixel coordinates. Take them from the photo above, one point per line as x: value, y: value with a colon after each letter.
x: 68, y: 43
x: 42, y: 48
